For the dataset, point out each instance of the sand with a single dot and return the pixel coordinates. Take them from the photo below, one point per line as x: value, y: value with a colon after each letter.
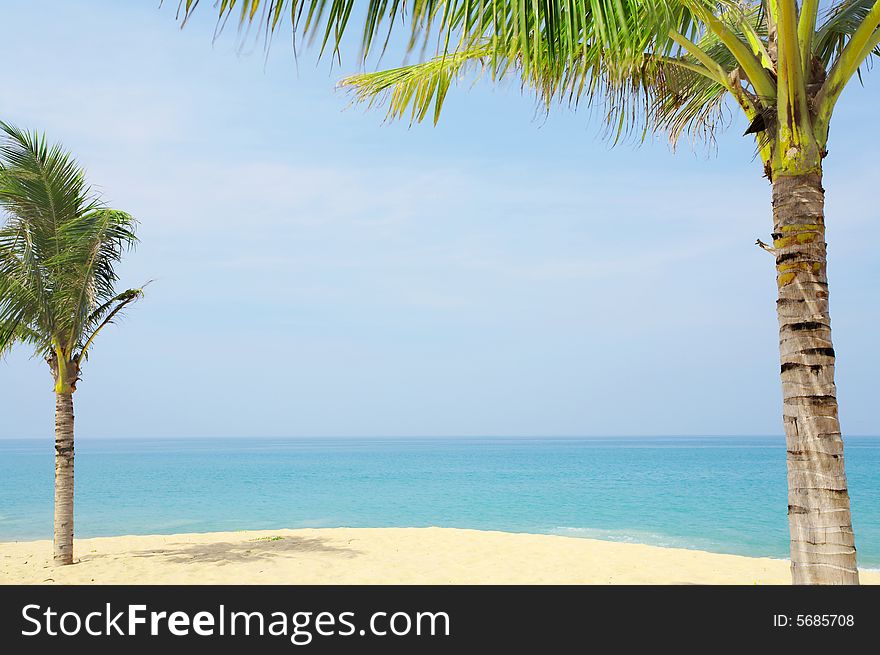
x: 380, y: 556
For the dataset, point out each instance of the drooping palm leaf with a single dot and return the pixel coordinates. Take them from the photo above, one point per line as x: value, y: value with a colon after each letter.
x: 670, y: 93
x: 540, y: 31
x: 616, y: 51
x: 840, y: 22
x: 569, y: 49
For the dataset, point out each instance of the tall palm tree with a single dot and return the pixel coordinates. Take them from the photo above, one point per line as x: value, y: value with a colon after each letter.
x: 666, y: 66
x: 58, y: 246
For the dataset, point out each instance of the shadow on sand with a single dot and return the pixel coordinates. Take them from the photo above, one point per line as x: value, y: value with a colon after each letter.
x: 244, y: 551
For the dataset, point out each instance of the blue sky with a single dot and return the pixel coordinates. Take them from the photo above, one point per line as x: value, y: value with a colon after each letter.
x: 320, y: 272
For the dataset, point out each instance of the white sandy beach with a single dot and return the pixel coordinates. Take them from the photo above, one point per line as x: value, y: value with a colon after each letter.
x: 380, y: 556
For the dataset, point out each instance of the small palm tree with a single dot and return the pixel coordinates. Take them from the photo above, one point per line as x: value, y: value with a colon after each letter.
x: 667, y: 66
x: 58, y: 247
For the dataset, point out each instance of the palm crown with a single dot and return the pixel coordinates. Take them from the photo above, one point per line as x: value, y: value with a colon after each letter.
x: 654, y: 65
x: 58, y: 249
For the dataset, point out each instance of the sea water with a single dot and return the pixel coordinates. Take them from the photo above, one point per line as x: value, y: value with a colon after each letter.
x: 721, y: 494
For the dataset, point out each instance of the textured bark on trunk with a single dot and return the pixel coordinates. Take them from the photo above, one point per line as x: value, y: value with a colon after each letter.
x: 822, y: 542
x: 63, y: 478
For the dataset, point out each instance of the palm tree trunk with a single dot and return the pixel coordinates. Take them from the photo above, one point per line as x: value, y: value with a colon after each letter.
x: 63, y: 478
x: 822, y: 542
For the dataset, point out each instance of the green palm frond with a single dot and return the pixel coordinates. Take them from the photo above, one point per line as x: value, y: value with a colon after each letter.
x: 614, y: 52
x: 58, y: 247
x: 840, y: 23
x: 537, y: 30
x: 95, y: 242
x: 419, y: 89
x: 105, y: 315
x: 617, y: 52
x: 671, y: 93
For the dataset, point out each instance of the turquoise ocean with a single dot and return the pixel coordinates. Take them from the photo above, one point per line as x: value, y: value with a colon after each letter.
x: 721, y: 494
